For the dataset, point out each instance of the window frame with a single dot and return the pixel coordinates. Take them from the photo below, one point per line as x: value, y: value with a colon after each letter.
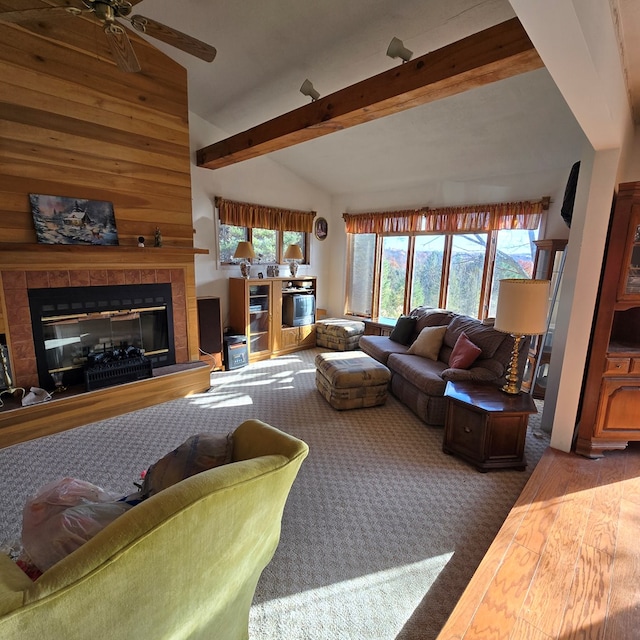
x: 487, y: 273
x: 280, y: 248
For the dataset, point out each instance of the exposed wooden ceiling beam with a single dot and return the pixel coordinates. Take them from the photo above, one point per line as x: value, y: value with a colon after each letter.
x: 496, y: 53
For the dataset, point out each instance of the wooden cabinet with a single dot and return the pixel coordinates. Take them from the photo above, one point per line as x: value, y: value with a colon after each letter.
x: 610, y: 403
x: 256, y: 310
x: 486, y: 426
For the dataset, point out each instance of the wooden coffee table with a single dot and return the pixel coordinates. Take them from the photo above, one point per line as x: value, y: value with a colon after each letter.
x: 486, y: 426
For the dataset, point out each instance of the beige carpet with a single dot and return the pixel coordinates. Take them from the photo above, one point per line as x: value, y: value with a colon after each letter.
x: 381, y: 532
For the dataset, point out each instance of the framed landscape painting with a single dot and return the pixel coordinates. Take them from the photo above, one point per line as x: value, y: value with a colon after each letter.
x: 62, y: 220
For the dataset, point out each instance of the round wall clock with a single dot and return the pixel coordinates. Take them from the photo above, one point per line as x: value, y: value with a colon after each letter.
x: 321, y: 228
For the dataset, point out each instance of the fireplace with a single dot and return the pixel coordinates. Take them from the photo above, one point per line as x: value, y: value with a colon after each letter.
x: 101, y: 335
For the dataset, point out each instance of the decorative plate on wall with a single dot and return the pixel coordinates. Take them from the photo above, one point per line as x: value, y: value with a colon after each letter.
x: 321, y: 228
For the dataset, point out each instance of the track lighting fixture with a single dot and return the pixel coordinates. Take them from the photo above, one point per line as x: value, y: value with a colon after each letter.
x: 397, y: 49
x: 307, y: 90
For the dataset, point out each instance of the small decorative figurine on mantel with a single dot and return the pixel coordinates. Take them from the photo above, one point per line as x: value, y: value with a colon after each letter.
x: 158, y: 238
x: 141, y: 241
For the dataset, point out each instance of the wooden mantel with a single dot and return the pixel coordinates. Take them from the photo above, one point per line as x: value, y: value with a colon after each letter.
x: 37, y: 256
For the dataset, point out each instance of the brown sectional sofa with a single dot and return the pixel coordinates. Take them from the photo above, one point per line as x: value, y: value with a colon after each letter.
x: 419, y: 382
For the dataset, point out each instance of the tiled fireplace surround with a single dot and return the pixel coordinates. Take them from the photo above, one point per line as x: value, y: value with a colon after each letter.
x: 18, y: 319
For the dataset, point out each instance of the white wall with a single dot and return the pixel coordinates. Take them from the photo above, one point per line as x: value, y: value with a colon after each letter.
x: 260, y: 181
x: 577, y: 41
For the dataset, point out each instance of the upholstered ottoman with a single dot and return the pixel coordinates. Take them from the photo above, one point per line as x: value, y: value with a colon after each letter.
x: 351, y: 380
x: 339, y: 334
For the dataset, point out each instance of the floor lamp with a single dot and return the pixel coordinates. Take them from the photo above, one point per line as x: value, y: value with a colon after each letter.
x: 522, y: 311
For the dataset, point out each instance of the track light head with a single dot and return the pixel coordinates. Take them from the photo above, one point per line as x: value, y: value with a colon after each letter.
x: 397, y: 49
x: 307, y: 90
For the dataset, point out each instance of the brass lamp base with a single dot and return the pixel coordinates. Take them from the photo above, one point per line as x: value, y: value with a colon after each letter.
x: 512, y: 386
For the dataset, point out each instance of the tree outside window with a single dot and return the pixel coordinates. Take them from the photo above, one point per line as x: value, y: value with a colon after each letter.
x: 466, y: 273
x: 228, y: 241
x: 427, y: 271
x: 393, y: 276
x: 515, y: 253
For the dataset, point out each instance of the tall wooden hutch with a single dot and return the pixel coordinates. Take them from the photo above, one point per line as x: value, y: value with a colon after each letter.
x: 609, y: 416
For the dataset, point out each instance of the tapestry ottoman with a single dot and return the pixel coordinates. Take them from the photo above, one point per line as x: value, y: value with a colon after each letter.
x: 351, y: 380
x: 339, y: 334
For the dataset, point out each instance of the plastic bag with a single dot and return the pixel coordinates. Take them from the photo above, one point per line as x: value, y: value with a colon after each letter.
x: 62, y: 516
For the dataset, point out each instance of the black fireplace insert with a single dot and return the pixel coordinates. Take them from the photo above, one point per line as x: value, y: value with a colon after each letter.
x: 76, y: 328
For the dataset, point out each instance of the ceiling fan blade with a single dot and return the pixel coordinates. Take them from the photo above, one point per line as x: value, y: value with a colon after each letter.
x: 173, y: 37
x: 15, y: 17
x: 121, y: 48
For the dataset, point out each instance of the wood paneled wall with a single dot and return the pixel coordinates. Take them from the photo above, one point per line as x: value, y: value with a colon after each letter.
x: 73, y: 124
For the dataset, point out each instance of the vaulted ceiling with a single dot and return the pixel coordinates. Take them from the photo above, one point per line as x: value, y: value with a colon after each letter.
x: 494, y: 134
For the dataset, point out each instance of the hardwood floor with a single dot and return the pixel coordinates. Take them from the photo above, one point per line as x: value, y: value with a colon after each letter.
x: 566, y: 562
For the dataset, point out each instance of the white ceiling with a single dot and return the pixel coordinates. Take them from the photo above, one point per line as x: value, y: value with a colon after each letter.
x: 266, y: 49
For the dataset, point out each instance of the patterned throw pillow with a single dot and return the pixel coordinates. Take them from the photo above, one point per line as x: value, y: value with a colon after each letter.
x: 199, y: 453
x: 428, y: 343
x: 403, y: 330
x: 464, y: 353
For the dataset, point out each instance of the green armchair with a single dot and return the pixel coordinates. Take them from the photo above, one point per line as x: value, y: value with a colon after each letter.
x: 182, y: 564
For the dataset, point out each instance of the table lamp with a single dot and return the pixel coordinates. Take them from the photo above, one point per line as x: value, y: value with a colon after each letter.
x: 245, y: 252
x: 293, y: 254
x: 523, y: 306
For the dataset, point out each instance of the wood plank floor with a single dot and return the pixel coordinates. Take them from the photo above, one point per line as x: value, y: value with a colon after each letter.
x: 566, y: 562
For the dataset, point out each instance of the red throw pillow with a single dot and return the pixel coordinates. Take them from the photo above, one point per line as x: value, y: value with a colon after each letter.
x: 464, y: 353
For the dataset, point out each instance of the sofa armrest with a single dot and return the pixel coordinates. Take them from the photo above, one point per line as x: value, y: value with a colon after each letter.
x: 475, y: 374
x: 13, y: 583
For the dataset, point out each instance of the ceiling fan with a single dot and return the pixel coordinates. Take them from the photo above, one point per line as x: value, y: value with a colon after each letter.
x: 109, y: 13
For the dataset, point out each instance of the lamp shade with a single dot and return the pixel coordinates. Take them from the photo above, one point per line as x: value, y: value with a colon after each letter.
x: 523, y: 306
x: 244, y: 250
x: 293, y: 252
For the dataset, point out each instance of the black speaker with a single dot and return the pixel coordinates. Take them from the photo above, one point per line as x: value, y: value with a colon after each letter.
x: 210, y: 325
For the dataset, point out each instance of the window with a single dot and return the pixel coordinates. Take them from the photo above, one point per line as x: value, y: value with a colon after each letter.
x: 459, y: 271
x: 392, y: 277
x: 270, y: 229
x: 268, y: 244
x: 466, y: 269
x: 265, y: 244
x: 360, y: 276
x: 427, y: 271
x: 294, y: 237
x: 228, y: 241
x: 515, y: 252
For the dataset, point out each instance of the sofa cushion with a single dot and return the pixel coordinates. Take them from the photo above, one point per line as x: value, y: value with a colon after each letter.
x: 403, y: 331
x: 431, y: 317
x: 379, y: 347
x: 475, y: 374
x: 423, y: 373
x: 464, y: 353
x: 483, y: 336
x: 428, y: 343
